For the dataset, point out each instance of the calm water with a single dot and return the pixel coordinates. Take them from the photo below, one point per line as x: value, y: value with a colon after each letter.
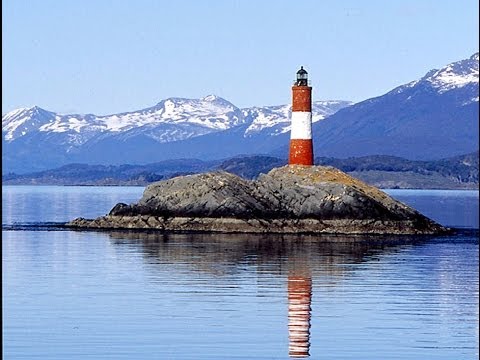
x: 134, y: 295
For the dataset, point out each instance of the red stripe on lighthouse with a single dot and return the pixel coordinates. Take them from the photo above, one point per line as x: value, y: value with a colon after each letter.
x: 301, y: 152
x: 301, y: 98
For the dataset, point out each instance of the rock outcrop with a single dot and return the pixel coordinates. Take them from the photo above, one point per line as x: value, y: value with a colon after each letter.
x: 290, y: 199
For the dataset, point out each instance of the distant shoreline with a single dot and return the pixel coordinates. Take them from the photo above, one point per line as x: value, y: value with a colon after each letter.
x: 473, y: 188
x: 381, y: 171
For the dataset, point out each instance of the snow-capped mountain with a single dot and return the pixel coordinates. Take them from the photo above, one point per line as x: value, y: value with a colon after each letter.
x: 191, y: 117
x: 434, y: 117
x: 21, y: 121
x: 275, y: 120
x: 170, y: 120
x: 454, y: 75
x: 29, y: 131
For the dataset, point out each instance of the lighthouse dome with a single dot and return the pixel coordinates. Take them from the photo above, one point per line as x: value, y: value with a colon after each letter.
x: 302, y: 71
x: 302, y: 77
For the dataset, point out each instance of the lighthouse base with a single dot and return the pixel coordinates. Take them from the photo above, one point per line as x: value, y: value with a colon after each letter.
x: 301, y: 152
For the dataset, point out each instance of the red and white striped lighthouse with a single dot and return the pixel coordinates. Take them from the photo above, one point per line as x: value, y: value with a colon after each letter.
x: 301, y: 145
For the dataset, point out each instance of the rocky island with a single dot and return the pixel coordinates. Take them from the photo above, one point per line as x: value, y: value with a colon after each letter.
x: 289, y: 199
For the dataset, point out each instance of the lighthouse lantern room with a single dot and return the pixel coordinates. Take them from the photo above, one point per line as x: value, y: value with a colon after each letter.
x: 302, y: 77
x: 301, y: 145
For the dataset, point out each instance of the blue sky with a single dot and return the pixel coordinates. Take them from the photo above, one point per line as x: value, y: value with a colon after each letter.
x: 102, y: 57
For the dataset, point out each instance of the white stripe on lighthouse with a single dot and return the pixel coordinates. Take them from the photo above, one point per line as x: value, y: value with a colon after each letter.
x: 301, y: 125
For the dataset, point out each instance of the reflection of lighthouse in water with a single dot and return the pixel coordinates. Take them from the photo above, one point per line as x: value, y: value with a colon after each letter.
x: 299, y: 300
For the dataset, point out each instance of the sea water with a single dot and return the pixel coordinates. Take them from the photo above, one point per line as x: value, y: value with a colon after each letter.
x: 149, y: 295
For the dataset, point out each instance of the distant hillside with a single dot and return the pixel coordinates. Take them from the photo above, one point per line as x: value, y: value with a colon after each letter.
x: 462, y: 168
x: 82, y: 174
x: 460, y: 172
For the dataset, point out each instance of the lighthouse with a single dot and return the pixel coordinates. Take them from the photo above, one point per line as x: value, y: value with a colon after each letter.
x: 301, y: 145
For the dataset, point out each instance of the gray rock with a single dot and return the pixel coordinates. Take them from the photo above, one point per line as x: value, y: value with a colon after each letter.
x: 289, y: 199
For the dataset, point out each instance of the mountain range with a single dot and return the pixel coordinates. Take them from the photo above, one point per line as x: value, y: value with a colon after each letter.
x: 430, y: 118
x: 37, y: 139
